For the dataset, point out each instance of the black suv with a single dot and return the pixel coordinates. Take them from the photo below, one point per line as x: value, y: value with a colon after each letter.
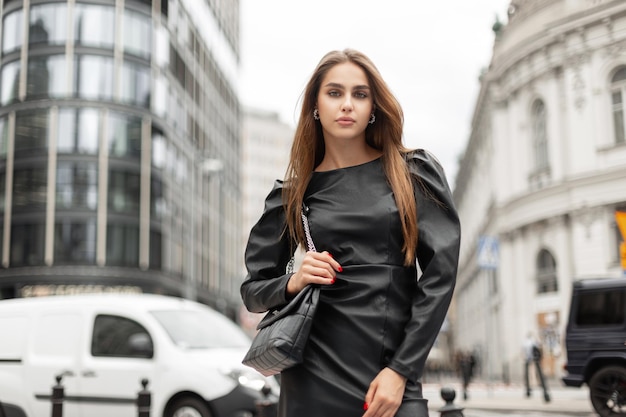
x: 596, y: 343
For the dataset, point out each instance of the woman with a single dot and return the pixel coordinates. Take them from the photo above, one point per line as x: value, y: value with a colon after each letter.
x: 373, y: 207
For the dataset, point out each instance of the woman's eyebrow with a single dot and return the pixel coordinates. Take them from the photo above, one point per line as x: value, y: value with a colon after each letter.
x: 356, y: 87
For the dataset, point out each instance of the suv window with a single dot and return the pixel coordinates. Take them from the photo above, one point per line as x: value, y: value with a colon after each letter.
x: 115, y: 336
x: 601, y: 308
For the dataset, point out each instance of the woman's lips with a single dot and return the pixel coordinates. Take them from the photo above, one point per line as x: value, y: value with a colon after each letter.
x: 345, y: 121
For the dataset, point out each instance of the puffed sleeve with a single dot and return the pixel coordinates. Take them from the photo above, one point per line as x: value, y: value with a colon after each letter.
x: 439, y: 235
x: 268, y: 251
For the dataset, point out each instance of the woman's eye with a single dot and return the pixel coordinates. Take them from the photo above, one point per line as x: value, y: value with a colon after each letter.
x: 334, y: 93
x: 360, y: 94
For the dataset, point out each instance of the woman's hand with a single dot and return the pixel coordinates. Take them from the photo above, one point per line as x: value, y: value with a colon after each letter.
x: 317, y: 268
x: 384, y: 395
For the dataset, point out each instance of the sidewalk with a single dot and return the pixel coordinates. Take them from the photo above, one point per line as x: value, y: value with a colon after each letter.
x: 506, y: 398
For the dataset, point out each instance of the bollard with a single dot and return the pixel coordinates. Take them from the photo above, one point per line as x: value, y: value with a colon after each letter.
x: 58, y: 395
x: 449, y: 410
x: 266, y: 407
x: 144, y: 400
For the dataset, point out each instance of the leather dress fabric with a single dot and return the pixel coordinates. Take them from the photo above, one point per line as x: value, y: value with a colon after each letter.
x: 379, y: 313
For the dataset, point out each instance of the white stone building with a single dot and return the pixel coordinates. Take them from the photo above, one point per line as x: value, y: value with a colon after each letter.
x: 543, y: 173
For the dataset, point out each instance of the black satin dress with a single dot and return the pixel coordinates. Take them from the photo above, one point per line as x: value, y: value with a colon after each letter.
x: 378, y: 313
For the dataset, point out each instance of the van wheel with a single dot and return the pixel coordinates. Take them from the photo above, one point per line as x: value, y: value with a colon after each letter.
x: 607, y: 390
x: 187, y: 407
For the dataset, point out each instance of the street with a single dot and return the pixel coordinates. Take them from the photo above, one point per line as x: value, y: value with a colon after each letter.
x: 483, y: 413
x: 489, y: 400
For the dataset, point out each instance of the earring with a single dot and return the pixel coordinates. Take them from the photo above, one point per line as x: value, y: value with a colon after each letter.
x: 372, y: 118
x: 316, y: 114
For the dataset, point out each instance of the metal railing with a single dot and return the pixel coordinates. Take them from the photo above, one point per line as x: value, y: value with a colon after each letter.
x: 143, y: 401
x: 265, y: 407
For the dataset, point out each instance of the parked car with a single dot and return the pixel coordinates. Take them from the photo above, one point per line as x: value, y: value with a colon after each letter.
x: 10, y: 410
x: 103, y: 346
x: 596, y: 343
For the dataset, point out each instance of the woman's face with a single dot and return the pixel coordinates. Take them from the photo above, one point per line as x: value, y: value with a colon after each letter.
x: 344, y: 102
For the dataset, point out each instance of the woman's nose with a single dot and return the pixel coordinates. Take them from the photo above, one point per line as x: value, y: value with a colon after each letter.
x: 347, y: 104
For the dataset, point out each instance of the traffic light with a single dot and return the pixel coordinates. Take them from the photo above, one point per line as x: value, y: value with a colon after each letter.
x: 620, y: 218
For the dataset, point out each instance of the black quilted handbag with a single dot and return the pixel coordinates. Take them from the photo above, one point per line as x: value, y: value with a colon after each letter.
x: 284, y: 331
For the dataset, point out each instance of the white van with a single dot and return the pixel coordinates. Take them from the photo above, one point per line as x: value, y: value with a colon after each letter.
x: 105, y: 345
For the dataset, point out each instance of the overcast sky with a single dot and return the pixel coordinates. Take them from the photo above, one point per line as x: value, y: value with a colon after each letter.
x: 429, y: 52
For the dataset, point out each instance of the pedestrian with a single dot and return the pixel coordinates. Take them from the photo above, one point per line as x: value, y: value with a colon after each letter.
x: 373, y: 207
x: 532, y: 358
x: 467, y: 362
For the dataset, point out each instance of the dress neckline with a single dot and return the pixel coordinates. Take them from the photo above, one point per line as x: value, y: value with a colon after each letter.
x: 349, y: 167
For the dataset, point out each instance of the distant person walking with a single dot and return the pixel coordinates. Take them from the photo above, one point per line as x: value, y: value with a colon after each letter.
x: 466, y: 363
x: 533, y: 355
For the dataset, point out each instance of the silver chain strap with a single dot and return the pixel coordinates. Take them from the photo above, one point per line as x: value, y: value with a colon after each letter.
x: 309, y: 242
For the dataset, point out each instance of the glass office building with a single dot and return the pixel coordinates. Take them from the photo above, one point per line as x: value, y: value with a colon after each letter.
x: 119, y: 144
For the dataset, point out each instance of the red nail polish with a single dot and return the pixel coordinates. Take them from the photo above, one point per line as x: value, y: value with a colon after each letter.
x: 366, y: 406
x: 340, y: 269
x: 330, y: 254
x: 332, y: 281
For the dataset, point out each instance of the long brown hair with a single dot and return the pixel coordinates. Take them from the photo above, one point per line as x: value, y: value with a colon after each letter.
x: 384, y: 135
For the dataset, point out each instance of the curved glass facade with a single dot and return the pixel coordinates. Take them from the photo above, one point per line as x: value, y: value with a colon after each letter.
x: 107, y: 113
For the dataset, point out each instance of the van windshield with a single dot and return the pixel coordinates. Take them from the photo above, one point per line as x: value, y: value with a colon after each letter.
x: 201, y: 329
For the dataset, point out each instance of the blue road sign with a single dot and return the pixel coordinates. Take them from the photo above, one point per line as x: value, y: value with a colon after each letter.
x: 488, y: 252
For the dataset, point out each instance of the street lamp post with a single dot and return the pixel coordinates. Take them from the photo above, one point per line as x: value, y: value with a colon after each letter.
x: 201, y: 167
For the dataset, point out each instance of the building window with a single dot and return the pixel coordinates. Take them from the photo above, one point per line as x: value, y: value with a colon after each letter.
x: 29, y: 189
x: 31, y: 132
x: 75, y: 242
x: 540, y: 136
x: 10, y: 82
x: 156, y: 249
x: 27, y: 244
x: 3, y: 192
x: 178, y: 166
x: 539, y: 176
x: 124, y: 136
x: 94, y: 26
x: 4, y: 137
x: 46, y: 77
x: 78, y: 131
x: 136, y: 84
x: 48, y: 24
x: 159, y: 150
x: 77, y: 185
x: 159, y: 96
x: 546, y: 272
x: 94, y: 77
x: 124, y: 190
x: 12, y: 31
x: 158, y: 204
x: 161, y: 46
x: 137, y: 34
x: 122, y: 245
x: 618, y: 88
